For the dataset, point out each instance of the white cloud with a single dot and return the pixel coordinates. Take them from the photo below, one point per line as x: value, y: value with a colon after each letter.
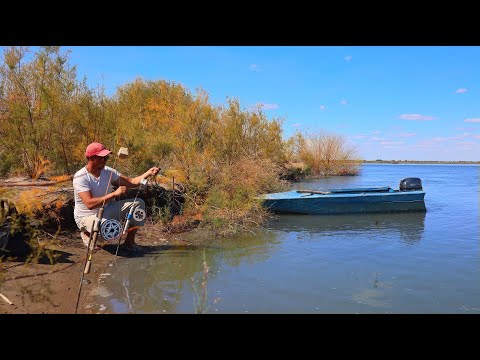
x: 376, y: 132
x: 417, y: 117
x: 343, y: 102
x: 255, y: 67
x: 322, y: 107
x: 461, y: 91
x: 296, y: 125
x: 473, y: 120
x: 348, y: 58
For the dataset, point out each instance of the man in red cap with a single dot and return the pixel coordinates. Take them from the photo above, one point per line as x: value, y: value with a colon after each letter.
x: 92, y: 187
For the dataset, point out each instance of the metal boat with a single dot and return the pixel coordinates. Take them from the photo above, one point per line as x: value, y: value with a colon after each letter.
x: 409, y: 197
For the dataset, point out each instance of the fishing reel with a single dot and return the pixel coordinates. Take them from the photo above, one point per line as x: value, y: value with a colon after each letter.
x: 110, y: 229
x: 139, y: 214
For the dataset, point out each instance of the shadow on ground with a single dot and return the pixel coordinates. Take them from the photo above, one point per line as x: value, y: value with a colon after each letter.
x: 145, y: 250
x: 51, y: 258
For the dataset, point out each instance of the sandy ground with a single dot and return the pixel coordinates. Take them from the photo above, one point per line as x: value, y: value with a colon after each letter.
x: 44, y: 288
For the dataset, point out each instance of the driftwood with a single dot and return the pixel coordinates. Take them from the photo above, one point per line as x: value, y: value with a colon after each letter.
x: 27, y: 183
x: 21, y: 182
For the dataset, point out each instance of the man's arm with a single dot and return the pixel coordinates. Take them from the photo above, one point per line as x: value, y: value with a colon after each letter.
x: 95, y: 202
x: 134, y: 182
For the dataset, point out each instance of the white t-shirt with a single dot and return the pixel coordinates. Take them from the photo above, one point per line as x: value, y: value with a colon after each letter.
x: 84, y: 181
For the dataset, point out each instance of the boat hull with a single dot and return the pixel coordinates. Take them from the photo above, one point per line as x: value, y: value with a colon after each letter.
x: 346, y: 203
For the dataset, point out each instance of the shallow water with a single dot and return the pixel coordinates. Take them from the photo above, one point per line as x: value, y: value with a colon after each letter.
x: 368, y: 263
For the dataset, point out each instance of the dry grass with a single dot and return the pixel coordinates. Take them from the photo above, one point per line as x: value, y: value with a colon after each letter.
x: 61, y: 178
x: 327, y: 154
x: 246, y: 178
x: 29, y: 202
x: 40, y: 167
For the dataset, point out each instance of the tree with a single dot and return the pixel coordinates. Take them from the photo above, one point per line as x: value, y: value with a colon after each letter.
x: 37, y: 94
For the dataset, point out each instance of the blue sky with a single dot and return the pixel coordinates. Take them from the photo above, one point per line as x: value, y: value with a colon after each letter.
x: 390, y: 102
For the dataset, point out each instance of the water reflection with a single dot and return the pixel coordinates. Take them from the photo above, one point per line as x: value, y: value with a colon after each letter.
x: 410, y: 226
x: 164, y: 282
x: 153, y: 284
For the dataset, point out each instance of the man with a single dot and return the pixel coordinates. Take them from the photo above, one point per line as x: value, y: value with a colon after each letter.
x: 90, y: 191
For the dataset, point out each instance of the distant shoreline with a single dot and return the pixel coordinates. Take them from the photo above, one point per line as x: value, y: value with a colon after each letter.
x: 417, y: 162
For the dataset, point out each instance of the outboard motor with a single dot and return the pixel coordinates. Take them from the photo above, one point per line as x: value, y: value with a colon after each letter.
x: 410, y: 184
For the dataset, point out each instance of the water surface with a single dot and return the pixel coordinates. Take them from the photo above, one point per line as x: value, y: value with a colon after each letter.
x: 367, y: 263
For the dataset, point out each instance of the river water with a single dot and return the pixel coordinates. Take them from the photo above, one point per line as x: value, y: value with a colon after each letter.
x: 342, y: 264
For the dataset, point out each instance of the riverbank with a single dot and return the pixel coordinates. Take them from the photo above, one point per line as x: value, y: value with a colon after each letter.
x: 44, y: 288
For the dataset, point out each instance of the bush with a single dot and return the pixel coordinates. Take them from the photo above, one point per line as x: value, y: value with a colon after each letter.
x: 327, y: 154
x: 7, y: 164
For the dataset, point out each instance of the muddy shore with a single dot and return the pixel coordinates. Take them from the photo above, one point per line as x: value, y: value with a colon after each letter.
x: 44, y: 288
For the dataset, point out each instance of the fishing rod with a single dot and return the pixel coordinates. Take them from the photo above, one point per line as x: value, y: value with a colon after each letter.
x: 94, y: 229
x: 137, y: 213
x: 134, y: 212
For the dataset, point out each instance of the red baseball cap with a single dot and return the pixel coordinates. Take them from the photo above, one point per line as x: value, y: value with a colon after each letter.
x: 97, y: 149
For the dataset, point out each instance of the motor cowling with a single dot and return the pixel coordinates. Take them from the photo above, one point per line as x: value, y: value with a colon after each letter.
x: 410, y: 184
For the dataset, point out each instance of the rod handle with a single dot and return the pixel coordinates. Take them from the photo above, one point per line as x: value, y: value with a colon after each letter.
x: 88, y: 265
x: 94, y: 240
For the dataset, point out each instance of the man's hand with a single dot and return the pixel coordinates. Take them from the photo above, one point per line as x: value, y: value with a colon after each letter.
x: 129, y: 182
x: 152, y: 171
x: 121, y: 190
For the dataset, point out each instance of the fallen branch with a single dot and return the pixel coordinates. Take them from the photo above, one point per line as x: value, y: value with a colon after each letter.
x: 6, y: 299
x: 28, y: 183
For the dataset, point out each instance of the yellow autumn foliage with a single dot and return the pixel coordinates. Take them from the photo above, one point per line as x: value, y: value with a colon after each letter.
x: 29, y: 202
x: 222, y: 154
